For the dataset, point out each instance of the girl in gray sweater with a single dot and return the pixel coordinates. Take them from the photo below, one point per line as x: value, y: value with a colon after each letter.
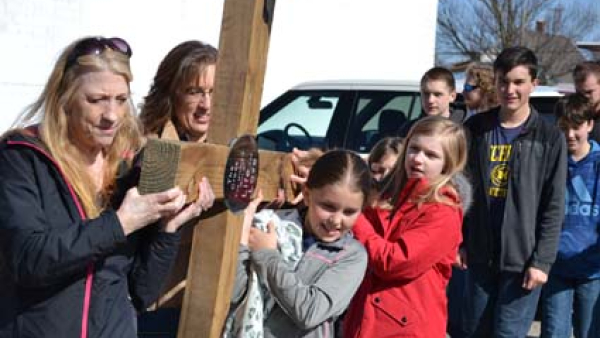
x: 304, y: 298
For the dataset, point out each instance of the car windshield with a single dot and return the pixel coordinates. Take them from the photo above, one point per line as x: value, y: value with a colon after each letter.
x: 298, y: 119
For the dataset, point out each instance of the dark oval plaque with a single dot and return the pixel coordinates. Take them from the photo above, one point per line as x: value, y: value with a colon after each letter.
x: 241, y: 173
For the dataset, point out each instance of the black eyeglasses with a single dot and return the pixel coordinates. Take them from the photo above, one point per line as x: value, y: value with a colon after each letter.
x: 467, y: 88
x: 95, y: 46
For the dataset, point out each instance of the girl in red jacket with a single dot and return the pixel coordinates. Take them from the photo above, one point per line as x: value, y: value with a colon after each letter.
x: 412, y: 238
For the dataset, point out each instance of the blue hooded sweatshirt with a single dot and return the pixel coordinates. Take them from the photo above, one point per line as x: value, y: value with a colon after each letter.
x: 579, y: 248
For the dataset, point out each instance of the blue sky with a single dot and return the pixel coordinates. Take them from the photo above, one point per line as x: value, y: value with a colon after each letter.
x: 588, y: 5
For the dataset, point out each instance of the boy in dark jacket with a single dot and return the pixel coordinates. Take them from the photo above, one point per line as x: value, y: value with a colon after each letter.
x: 438, y: 92
x: 517, y: 163
x: 574, y: 283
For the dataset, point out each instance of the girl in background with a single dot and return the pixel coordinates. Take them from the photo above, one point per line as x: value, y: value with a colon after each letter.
x: 383, y: 157
x: 412, y: 238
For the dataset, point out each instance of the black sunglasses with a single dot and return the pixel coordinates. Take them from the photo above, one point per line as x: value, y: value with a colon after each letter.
x: 95, y: 46
x: 467, y: 88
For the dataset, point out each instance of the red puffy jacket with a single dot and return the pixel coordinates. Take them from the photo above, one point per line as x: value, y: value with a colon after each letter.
x: 403, y: 293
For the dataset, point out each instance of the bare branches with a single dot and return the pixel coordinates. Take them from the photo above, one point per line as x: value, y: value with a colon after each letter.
x: 470, y: 29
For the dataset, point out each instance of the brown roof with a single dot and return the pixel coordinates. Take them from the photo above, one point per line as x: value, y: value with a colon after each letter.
x: 557, y: 54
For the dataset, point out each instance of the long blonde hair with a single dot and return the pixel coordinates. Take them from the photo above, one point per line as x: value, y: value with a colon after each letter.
x: 50, y: 111
x: 454, y: 146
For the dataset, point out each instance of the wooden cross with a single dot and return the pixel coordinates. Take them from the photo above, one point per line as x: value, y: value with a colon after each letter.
x: 243, y: 47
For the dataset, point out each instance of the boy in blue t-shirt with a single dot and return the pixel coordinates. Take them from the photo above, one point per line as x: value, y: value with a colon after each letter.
x: 574, y: 282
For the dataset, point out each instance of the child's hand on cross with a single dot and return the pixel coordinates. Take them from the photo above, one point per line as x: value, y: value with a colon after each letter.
x: 249, y: 213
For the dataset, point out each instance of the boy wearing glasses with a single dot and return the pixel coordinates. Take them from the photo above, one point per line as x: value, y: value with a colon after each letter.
x: 574, y: 283
x: 517, y: 163
x: 438, y: 92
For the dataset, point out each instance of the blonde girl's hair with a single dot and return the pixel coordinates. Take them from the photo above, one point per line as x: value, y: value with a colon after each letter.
x: 483, y: 74
x: 454, y: 146
x: 52, y: 109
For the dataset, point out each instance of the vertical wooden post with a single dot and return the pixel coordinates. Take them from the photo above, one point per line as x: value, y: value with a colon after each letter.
x: 239, y: 80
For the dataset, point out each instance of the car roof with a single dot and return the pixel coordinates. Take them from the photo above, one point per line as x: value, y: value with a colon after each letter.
x: 540, y: 91
x: 559, y: 90
x: 547, y: 91
x: 359, y: 85
x: 370, y: 84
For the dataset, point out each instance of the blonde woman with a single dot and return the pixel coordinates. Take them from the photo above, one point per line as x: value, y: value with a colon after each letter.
x: 80, y: 249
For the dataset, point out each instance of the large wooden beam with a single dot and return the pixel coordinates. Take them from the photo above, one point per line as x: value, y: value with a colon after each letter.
x: 172, y: 163
x: 243, y: 48
x: 239, y: 80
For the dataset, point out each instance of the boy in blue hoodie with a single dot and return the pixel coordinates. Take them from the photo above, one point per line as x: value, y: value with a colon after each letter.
x: 574, y: 282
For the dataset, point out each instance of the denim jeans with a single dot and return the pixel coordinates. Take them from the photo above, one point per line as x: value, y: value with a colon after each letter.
x: 495, y: 304
x: 455, y: 292
x: 567, y: 303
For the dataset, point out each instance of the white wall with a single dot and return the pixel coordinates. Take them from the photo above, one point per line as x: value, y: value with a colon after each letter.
x: 349, y: 39
x: 311, y: 39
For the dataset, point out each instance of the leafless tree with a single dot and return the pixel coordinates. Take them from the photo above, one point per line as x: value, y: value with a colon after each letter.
x: 479, y: 29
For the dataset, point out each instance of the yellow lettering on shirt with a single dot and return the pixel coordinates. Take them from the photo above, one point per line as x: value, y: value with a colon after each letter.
x: 500, y: 153
x: 497, y: 192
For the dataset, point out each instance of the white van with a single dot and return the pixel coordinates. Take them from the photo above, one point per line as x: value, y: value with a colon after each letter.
x: 354, y: 114
x: 349, y: 114
x: 543, y: 98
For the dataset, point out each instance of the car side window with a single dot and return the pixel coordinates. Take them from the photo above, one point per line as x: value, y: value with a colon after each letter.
x: 301, y: 121
x: 380, y: 114
x: 417, y: 108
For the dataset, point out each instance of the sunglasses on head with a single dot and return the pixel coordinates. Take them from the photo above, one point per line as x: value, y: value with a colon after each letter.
x: 467, y: 88
x: 97, y: 45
